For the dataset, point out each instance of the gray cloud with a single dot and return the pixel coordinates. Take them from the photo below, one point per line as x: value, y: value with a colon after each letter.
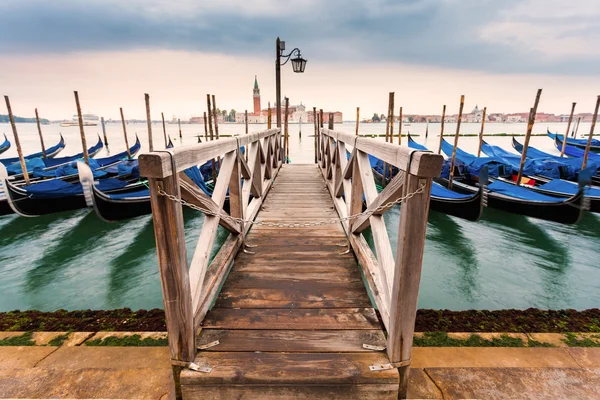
x: 471, y: 34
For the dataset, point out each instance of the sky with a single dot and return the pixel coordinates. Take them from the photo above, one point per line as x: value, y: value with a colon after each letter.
x: 429, y: 52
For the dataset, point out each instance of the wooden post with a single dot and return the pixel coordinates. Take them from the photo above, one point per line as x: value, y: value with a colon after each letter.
x: 387, y: 132
x: 210, y: 130
x: 442, y: 129
x: 357, y: 119
x: 576, y: 127
x: 392, y: 118
x: 399, y: 126
x: 589, y: 142
x: 269, y: 116
x: 149, y: 121
x: 17, y: 142
x: 330, y: 121
x: 286, y: 140
x: 407, y: 277
x: 167, y: 217
x: 179, y: 125
x: 460, y: 110
x: 81, y: 131
x: 104, y: 131
x: 39, y: 127
x: 125, y: 133
x: 246, y: 120
x: 316, y: 138
x: 528, y: 135
x: 321, y: 117
x: 564, y: 145
x: 215, y: 117
x: 205, y: 128
x: 162, y: 115
x: 481, y: 132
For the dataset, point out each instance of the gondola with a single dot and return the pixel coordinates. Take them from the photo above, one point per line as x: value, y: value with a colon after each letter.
x: 64, y: 193
x: 112, y: 207
x: 4, y: 145
x: 51, y: 152
x: 444, y: 200
x: 39, y: 167
x: 579, y: 143
x: 573, y: 151
x: 511, y: 198
x: 575, y: 162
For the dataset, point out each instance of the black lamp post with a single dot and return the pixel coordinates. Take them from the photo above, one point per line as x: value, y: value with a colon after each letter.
x: 298, y: 65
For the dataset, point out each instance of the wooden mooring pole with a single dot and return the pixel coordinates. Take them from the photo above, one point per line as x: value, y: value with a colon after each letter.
x: 589, y: 142
x: 576, y: 127
x: 387, y: 132
x: 528, y: 135
x: 357, y: 119
x: 246, y: 120
x: 286, y: 138
x: 210, y: 130
x: 104, y: 131
x: 205, y: 128
x: 39, y: 128
x: 442, y: 130
x: 125, y: 133
x: 564, y: 145
x: 149, y: 121
x: 460, y: 111
x: 81, y: 130
x: 179, y: 125
x: 481, y: 132
x: 162, y: 115
x: 399, y: 126
x: 316, y: 138
x: 17, y: 142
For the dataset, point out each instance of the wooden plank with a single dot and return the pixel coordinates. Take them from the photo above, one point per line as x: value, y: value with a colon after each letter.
x: 290, y: 368
x: 338, y: 318
x: 365, y: 392
x: 292, y: 298
x: 407, y: 275
x: 322, y: 341
x: 282, y: 280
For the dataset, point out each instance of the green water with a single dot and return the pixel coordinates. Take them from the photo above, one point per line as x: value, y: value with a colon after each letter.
x: 76, y: 261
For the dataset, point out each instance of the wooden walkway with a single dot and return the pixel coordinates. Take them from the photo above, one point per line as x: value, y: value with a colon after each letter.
x: 291, y: 320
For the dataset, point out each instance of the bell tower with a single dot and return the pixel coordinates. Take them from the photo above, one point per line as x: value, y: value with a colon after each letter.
x: 256, y: 95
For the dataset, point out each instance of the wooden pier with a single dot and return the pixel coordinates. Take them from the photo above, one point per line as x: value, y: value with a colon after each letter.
x: 294, y: 319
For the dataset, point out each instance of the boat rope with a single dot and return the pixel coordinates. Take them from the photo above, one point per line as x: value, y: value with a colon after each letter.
x: 324, y: 222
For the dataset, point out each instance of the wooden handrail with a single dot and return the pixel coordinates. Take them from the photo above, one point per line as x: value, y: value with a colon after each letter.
x: 394, y: 283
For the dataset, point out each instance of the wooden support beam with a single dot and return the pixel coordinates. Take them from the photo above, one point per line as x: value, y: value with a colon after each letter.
x: 39, y: 128
x: 407, y: 276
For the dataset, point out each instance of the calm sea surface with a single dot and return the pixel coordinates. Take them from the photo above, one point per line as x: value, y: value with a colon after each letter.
x: 74, y: 260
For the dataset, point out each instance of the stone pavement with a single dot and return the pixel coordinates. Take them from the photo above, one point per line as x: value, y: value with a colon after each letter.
x: 73, y: 371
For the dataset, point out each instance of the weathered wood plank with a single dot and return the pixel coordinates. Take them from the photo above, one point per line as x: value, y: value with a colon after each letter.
x: 290, y: 368
x: 321, y: 341
x: 337, y: 318
x: 292, y: 298
x: 283, y: 280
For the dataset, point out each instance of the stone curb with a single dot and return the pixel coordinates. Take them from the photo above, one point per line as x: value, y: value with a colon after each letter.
x: 79, y: 338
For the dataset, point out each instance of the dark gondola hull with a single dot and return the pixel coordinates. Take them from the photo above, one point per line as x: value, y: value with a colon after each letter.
x: 470, y: 209
x: 565, y: 212
x: 25, y: 206
x: 595, y: 149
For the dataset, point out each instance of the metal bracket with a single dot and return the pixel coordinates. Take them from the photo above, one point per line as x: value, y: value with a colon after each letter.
x: 249, y: 252
x: 344, y: 252
x: 191, y: 365
x: 386, y: 367
x: 373, y: 347
x: 250, y: 246
x: 208, y: 345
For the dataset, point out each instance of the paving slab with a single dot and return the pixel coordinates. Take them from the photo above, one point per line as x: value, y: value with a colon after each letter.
x: 143, y: 335
x: 517, y: 383
x: 77, y: 338
x: 586, y: 357
x: 23, y: 356
x: 488, y: 357
x: 41, y: 383
x: 7, y: 335
x: 554, y: 339
x: 420, y: 386
x: 108, y: 357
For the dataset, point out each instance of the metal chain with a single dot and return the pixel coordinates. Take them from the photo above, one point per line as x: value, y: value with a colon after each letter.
x: 367, y: 213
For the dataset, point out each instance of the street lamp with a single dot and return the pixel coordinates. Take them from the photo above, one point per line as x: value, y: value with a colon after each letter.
x: 298, y: 65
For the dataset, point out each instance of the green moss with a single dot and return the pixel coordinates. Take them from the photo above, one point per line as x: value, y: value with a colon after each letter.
x: 59, y: 340
x: 535, y: 343
x: 133, y: 340
x: 572, y: 341
x: 23, y: 340
x: 441, y: 339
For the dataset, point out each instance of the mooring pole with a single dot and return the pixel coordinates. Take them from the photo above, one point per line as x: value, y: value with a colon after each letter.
x: 399, y: 126
x: 357, y: 119
x: 179, y: 124
x: 125, y: 133
x: 149, y: 121
x: 589, y: 142
x: 528, y: 135
x: 481, y: 132
x: 564, y: 145
x: 286, y: 137
x: 39, y: 127
x: 17, y: 142
x: 104, y: 131
x: 81, y: 131
x: 442, y: 129
x: 460, y: 110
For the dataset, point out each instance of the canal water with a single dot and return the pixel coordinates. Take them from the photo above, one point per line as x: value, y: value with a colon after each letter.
x: 75, y: 261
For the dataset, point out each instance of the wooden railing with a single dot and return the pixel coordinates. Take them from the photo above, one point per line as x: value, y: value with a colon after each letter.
x: 189, y: 292
x: 394, y: 283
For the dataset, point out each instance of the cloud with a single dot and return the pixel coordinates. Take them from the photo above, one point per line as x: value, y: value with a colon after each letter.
x: 510, y: 36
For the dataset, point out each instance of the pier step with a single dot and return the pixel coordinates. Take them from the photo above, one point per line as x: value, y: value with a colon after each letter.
x: 291, y: 320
